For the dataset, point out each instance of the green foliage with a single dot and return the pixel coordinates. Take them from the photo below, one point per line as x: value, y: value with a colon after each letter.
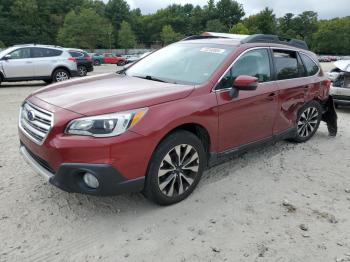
x: 229, y: 12
x: 77, y: 32
x: 168, y: 35
x: 240, y: 29
x: 97, y: 23
x: 2, y: 45
x: 215, y: 26
x: 126, y: 37
x: 262, y: 23
x: 333, y: 36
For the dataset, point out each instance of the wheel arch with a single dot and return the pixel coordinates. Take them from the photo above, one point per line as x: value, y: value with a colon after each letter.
x: 61, y: 67
x: 197, y: 129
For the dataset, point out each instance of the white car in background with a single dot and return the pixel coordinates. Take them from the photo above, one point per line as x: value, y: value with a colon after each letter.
x: 36, y: 62
x: 340, y: 77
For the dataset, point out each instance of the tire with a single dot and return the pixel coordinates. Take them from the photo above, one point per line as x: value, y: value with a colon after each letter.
x: 0, y: 79
x: 308, y: 121
x: 336, y: 105
x: 97, y: 63
x: 121, y: 63
x: 60, y: 75
x: 82, y: 71
x: 168, y: 183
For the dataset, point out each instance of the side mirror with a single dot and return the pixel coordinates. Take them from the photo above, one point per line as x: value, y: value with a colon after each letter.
x: 6, y: 57
x: 244, y: 82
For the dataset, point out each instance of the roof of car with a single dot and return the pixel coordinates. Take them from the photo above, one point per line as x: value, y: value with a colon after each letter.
x: 235, y: 40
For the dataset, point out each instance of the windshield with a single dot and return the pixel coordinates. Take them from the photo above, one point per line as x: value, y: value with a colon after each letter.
x: 182, y: 63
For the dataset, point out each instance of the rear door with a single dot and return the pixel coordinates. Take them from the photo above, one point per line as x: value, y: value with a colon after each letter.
x: 20, y: 65
x: 250, y: 116
x: 293, y: 86
x: 44, y: 60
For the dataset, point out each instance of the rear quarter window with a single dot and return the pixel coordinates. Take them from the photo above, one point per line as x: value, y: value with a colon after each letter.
x: 310, y: 66
x: 76, y: 54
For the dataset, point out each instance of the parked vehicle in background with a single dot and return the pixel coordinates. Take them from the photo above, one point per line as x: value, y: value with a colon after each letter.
x: 131, y: 58
x: 340, y: 77
x: 158, y: 125
x: 36, y: 62
x: 324, y: 59
x: 97, y: 59
x: 109, y: 58
x: 84, y: 61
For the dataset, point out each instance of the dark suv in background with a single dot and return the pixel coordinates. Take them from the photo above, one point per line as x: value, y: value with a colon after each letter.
x: 84, y: 61
x: 156, y: 126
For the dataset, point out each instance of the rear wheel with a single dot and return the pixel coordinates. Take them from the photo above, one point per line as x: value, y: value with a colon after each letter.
x: 60, y: 75
x: 175, y: 169
x: 82, y: 71
x: 308, y: 121
x: 121, y: 63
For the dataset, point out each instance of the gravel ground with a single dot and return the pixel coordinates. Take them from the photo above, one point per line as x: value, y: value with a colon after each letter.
x: 286, y: 202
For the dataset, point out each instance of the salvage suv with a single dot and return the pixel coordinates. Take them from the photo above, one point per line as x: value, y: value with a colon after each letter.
x: 157, y: 125
x: 36, y: 62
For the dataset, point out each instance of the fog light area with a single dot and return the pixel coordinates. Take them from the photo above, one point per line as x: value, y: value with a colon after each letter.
x: 90, y: 180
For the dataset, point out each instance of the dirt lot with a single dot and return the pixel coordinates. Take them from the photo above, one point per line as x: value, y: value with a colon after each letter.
x: 286, y: 202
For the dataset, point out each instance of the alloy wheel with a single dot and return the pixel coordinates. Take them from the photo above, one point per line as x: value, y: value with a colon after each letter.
x: 178, y: 170
x: 82, y: 71
x: 61, y: 76
x: 307, y: 122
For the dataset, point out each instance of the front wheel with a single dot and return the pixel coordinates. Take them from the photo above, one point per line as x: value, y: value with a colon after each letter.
x: 60, y: 75
x: 175, y: 169
x: 308, y: 121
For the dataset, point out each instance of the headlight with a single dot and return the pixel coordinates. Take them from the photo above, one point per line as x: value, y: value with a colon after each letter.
x: 105, y: 125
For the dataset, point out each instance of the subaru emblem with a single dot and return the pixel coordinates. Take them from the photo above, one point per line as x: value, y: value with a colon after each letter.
x: 30, y: 115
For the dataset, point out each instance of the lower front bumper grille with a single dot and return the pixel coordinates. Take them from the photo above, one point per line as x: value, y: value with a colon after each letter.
x: 38, y: 164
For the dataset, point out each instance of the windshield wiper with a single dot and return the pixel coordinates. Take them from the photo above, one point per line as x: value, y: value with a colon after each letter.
x: 151, y: 78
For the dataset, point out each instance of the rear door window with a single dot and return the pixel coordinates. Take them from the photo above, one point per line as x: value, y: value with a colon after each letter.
x: 287, y: 64
x: 45, y: 52
x: 310, y: 66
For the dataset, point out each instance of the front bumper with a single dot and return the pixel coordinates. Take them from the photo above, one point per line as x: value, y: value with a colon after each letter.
x: 69, y: 176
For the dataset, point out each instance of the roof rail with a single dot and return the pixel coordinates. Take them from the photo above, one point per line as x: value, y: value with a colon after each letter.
x: 262, y: 38
x: 196, y: 37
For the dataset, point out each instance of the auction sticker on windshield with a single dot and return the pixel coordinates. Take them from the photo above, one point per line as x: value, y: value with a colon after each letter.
x: 213, y: 50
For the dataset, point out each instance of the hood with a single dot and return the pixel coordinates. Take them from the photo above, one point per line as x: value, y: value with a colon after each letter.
x: 109, y: 93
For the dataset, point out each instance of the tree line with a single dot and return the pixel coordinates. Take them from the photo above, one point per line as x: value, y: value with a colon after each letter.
x: 91, y: 24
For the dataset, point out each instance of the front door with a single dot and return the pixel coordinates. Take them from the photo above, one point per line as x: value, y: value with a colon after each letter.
x: 19, y: 65
x: 250, y: 116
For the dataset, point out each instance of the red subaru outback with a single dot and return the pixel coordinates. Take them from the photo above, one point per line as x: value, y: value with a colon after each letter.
x: 157, y: 125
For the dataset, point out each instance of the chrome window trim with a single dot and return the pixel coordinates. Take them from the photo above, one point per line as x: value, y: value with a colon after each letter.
x: 30, y: 137
x: 273, y: 81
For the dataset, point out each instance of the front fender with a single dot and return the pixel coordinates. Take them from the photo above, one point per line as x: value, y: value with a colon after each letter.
x: 330, y: 116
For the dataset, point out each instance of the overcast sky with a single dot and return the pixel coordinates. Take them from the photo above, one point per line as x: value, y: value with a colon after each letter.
x: 324, y: 8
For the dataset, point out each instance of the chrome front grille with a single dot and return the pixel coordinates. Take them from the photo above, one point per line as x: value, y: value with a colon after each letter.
x: 35, y: 122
